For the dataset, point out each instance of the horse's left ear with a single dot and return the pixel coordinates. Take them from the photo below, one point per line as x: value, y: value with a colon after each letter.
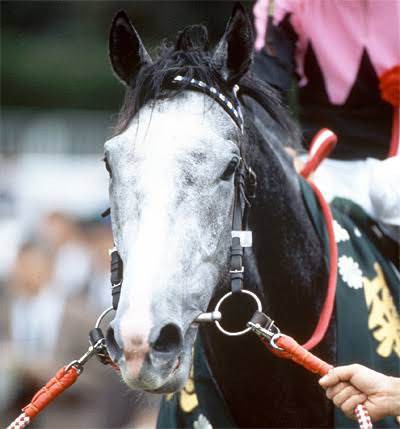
x: 234, y: 52
x: 127, y: 52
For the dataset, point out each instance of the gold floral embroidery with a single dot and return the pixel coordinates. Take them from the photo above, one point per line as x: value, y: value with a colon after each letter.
x: 187, y: 396
x: 383, y: 320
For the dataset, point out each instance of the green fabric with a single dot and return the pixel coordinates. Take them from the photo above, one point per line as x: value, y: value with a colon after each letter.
x: 367, y: 296
x: 363, y: 334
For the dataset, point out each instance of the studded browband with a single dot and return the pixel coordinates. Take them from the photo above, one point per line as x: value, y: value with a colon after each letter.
x: 232, y: 107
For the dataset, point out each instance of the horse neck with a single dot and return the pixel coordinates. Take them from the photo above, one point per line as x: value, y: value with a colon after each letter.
x: 288, y: 252
x: 286, y: 267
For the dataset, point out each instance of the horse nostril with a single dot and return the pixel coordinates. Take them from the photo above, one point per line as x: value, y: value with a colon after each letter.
x: 169, y: 339
x: 113, y: 348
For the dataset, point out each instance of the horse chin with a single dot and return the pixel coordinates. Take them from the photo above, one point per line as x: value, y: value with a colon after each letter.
x: 176, y: 381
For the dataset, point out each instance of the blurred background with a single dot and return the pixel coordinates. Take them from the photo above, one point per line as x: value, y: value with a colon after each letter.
x: 59, y: 99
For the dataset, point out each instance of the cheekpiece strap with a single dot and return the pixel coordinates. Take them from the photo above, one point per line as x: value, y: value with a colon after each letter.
x: 232, y: 107
x: 116, y: 276
x: 241, y: 236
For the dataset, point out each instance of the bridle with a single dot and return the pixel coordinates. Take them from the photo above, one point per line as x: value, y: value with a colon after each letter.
x: 245, y: 183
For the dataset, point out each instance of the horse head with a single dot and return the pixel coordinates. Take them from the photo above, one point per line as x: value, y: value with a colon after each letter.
x: 171, y: 165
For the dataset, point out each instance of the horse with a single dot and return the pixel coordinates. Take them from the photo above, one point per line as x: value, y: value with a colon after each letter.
x: 172, y: 164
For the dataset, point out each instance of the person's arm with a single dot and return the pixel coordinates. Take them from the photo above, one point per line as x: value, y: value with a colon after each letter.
x: 348, y: 386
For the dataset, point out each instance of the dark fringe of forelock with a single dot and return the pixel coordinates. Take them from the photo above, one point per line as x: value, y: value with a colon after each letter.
x: 154, y: 81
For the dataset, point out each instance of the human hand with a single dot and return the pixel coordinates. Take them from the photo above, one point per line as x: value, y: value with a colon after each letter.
x: 350, y: 385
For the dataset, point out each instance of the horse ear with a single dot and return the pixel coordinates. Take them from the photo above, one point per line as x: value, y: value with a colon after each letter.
x: 234, y: 52
x: 126, y: 50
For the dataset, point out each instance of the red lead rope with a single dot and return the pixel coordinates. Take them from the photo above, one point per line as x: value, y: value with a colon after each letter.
x: 327, y: 309
x: 54, y: 387
x: 65, y: 377
x: 294, y: 351
x: 321, y: 146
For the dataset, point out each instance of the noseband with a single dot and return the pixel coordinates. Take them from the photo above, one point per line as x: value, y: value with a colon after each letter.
x: 245, y: 182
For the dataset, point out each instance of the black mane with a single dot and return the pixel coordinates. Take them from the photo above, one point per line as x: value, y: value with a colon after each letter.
x: 190, y: 57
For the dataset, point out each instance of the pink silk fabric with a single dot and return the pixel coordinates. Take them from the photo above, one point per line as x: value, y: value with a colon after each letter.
x: 339, y: 31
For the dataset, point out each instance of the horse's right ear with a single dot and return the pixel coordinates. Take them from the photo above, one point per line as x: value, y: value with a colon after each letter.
x: 234, y: 52
x: 126, y: 50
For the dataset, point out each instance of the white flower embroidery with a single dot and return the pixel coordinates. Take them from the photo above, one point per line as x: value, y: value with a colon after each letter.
x: 340, y: 233
x: 350, y: 272
x: 202, y: 423
x: 357, y: 232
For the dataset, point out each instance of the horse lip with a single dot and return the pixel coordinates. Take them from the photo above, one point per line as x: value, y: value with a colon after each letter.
x: 172, y: 373
x: 161, y: 389
x: 121, y: 363
x: 178, y: 364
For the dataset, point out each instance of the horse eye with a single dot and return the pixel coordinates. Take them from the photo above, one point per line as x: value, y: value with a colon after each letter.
x: 108, y: 168
x: 231, y: 168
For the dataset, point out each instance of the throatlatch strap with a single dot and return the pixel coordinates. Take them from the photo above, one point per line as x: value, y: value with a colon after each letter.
x: 236, y: 261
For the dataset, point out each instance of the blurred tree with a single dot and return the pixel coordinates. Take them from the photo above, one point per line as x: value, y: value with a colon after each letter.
x: 54, y: 53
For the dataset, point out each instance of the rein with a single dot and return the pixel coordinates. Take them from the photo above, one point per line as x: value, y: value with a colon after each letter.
x: 245, y: 183
x: 321, y: 146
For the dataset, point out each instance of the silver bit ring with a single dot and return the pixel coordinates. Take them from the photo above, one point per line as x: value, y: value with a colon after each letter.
x: 244, y: 331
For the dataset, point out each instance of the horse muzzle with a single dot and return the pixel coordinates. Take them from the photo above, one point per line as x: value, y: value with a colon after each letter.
x: 148, y: 360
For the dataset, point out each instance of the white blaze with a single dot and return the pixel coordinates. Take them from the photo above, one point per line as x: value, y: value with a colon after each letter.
x: 157, y: 227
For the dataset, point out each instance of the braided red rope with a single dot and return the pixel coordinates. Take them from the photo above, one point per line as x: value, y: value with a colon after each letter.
x: 53, y: 388
x: 294, y: 351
